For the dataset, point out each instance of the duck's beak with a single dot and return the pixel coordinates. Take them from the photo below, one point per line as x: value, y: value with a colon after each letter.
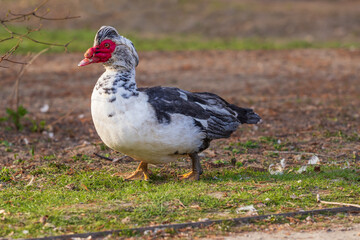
x: 84, y: 62
x: 89, y: 57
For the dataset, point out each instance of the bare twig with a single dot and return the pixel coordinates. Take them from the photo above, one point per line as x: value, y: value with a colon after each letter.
x: 23, y: 17
x: 12, y: 61
x: 21, y: 73
x: 61, y: 118
x: 336, y: 203
x: 103, y: 157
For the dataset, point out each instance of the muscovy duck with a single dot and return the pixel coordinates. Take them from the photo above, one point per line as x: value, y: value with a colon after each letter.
x: 158, y: 124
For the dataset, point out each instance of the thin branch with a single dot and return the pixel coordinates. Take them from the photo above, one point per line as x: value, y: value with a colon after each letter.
x: 33, y: 13
x: 26, y: 35
x: 61, y: 118
x: 12, y: 61
x: 103, y: 157
x: 6, y: 55
x: 21, y: 17
x: 55, y: 19
x: 6, y: 39
x: 21, y: 73
x: 336, y: 203
x: 45, y: 43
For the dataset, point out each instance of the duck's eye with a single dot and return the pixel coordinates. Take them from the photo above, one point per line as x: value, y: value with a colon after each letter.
x: 107, y: 45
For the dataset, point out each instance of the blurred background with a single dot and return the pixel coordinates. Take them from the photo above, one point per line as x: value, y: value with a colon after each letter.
x: 201, y: 24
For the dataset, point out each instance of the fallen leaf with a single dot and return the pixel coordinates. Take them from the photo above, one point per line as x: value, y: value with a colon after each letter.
x: 275, y: 169
x: 196, y: 206
x: 218, y: 195
x: 83, y: 185
x: 70, y: 186
x: 43, y: 219
x: 245, y: 209
x: 126, y: 220
x: 48, y: 225
x: 313, y: 160
x: 302, y: 169
x: 283, y: 163
x: 210, y: 153
x: 44, y: 108
x: 317, y: 169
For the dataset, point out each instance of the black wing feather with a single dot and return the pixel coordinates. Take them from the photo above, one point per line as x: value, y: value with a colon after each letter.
x: 222, y: 118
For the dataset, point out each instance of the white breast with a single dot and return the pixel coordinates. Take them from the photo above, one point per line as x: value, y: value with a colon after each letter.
x: 130, y: 126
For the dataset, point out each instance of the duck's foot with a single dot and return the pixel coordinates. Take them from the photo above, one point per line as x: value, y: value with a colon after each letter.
x: 196, y: 169
x: 192, y: 176
x: 141, y: 173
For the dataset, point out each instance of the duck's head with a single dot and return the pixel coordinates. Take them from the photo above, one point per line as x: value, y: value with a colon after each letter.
x: 111, y: 49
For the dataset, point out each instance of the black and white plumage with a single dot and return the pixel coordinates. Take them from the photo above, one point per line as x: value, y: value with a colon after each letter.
x: 212, y: 114
x: 155, y: 125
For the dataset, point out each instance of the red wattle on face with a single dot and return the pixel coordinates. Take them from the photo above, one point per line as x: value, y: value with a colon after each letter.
x: 99, y: 53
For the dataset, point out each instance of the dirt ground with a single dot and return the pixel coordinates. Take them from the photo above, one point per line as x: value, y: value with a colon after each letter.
x: 305, y: 97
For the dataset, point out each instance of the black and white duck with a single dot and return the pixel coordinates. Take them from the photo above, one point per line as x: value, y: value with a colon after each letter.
x: 158, y: 124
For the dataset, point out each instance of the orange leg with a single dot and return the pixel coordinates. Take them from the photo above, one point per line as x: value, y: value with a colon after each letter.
x: 141, y: 173
x: 196, y: 169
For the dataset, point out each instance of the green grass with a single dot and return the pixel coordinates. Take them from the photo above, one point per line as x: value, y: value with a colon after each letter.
x: 84, y: 200
x: 82, y: 39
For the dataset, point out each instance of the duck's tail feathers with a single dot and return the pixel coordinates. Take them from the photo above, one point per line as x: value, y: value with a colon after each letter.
x: 246, y: 115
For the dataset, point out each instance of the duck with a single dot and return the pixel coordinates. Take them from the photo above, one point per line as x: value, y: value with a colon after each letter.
x: 154, y: 125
